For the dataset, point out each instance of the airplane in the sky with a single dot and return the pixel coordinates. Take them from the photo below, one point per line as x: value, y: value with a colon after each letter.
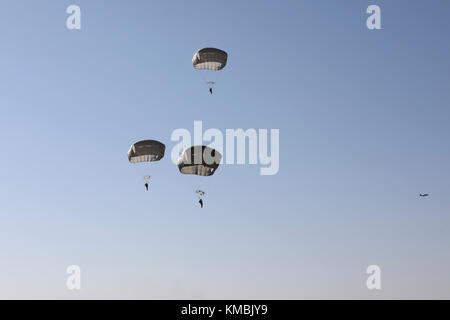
x: 423, y: 194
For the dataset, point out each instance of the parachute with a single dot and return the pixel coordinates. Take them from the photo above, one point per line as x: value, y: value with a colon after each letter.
x: 199, y: 160
x: 211, y: 59
x: 146, y: 151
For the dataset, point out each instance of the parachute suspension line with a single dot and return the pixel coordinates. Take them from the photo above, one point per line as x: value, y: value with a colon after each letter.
x: 217, y: 75
x: 211, y: 78
x: 206, y: 78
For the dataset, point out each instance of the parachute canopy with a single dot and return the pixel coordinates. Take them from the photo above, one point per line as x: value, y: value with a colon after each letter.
x: 210, y: 59
x: 146, y: 151
x: 199, y: 160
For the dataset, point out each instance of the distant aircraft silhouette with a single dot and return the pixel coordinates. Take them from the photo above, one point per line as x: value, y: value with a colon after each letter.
x: 423, y: 194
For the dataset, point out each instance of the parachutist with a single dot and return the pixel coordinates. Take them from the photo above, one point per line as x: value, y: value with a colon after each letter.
x: 187, y: 164
x: 211, y: 59
x: 146, y: 151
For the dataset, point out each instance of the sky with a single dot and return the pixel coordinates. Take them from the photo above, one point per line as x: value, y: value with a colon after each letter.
x: 363, y: 120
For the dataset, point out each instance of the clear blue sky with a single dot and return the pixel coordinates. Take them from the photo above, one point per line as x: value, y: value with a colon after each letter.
x: 364, y: 128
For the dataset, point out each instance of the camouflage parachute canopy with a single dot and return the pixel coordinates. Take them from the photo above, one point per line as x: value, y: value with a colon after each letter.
x: 199, y: 160
x: 146, y: 151
x: 210, y: 59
